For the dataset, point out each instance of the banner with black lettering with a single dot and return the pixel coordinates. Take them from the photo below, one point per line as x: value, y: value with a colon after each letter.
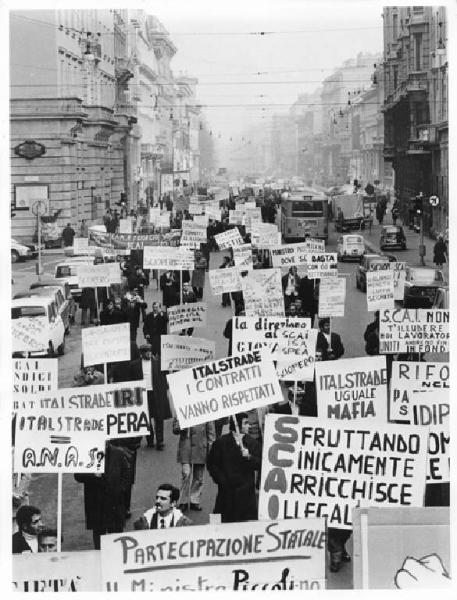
x: 262, y: 293
x: 183, y: 316
x: 315, y: 469
x: 277, y: 556
x: 414, y: 330
x: 34, y: 375
x: 380, y: 290
x: 352, y: 388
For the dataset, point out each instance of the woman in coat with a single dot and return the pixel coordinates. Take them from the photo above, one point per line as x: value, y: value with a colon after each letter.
x: 198, y: 274
x: 440, y: 252
x: 193, y: 448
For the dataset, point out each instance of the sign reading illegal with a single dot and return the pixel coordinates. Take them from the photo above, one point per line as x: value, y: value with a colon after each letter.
x: 281, y: 555
x: 224, y: 387
x: 325, y: 470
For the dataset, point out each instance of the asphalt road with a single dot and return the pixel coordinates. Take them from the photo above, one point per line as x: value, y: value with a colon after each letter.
x: 154, y: 467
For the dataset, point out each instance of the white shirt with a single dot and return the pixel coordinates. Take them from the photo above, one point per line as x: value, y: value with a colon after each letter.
x: 174, y: 515
x: 32, y: 541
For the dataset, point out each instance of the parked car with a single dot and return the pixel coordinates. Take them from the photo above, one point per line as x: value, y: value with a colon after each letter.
x: 421, y: 287
x: 370, y: 262
x: 50, y: 282
x: 22, y: 251
x: 350, y: 246
x: 37, y: 327
x: 54, y: 292
x: 68, y: 270
x: 392, y: 236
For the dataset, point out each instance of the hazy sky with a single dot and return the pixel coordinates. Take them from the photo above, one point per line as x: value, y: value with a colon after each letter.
x: 240, y: 72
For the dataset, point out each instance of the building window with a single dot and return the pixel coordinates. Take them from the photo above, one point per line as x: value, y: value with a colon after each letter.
x: 395, y: 74
x: 394, y: 26
x: 417, y: 51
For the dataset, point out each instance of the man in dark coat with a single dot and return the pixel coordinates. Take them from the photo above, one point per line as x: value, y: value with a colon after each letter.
x: 188, y: 297
x: 104, y: 494
x: 68, y: 234
x: 328, y: 343
x: 28, y: 519
x: 154, y: 326
x: 232, y: 462
x: 169, y: 284
x: 307, y: 294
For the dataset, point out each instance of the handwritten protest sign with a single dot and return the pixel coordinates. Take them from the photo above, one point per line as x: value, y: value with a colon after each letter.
x: 107, y: 343
x: 431, y: 409
x: 154, y: 214
x: 414, y: 330
x: 265, y: 235
x: 290, y: 255
x: 178, y: 259
x: 125, y: 225
x: 32, y: 334
x: 280, y: 555
x: 34, y: 375
x: 213, y: 212
x: 320, y: 265
x: 58, y: 430
x: 193, y: 235
x: 236, y: 217
x: 132, y: 241
x: 195, y: 208
x: 315, y: 245
x: 80, y: 245
x: 352, y: 388
x: 243, y: 257
x: 399, y: 274
x: 163, y: 220
x: 225, y: 280
x: 228, y: 239
x: 181, y: 203
x: 181, y: 352
x: 224, y: 387
x: 262, y: 293
x: 57, y: 572
x: 409, y: 377
x: 98, y: 275
x: 291, y: 341
x: 325, y: 470
x: 332, y: 297
x: 380, y: 290
x: 201, y: 220
x: 252, y: 215
x: 183, y: 316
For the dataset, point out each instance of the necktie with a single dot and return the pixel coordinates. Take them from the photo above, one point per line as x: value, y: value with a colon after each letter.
x: 162, y: 523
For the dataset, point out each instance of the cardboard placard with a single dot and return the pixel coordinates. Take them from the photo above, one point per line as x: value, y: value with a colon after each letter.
x: 224, y: 387
x: 296, y: 254
x: 282, y: 555
x: 352, y: 388
x: 98, y: 275
x: 163, y: 220
x: 126, y: 225
x: 107, y: 343
x: 409, y: 540
x: 262, y: 293
x: 320, y: 265
x: 225, y: 280
x: 57, y: 572
x: 315, y: 469
x: 243, y: 257
x: 228, y: 239
x: 154, y: 214
x: 291, y: 341
x: 34, y: 375
x: 80, y: 245
x: 380, y: 289
x: 414, y: 330
x: 183, y: 316
x: 181, y: 352
x: 409, y: 377
x: 332, y: 297
x: 236, y: 217
x: 201, y: 220
x: 193, y: 235
x: 165, y: 258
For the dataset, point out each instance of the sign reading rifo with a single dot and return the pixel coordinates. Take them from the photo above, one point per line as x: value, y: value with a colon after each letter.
x: 57, y: 572
x: 282, y: 555
x: 180, y: 352
x: 34, y: 375
x: 167, y: 258
x: 228, y: 239
x: 332, y: 296
x: 380, y: 290
x: 291, y: 341
x: 107, y: 343
x: 98, y: 275
x: 352, y: 388
x: 225, y: 280
x: 325, y: 470
x: 414, y: 330
x: 410, y: 377
x: 183, y: 316
x: 262, y: 293
x: 223, y: 388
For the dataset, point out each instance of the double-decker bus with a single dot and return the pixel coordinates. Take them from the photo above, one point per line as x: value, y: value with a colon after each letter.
x: 304, y: 214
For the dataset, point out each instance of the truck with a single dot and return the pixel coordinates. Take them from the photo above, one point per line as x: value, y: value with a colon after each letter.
x: 348, y: 212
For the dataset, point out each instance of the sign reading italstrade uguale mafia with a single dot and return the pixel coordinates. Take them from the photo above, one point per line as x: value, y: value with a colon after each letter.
x: 414, y: 330
x: 277, y: 556
x: 409, y: 377
x: 352, y: 388
x: 34, y: 375
x: 224, y: 387
x: 314, y: 469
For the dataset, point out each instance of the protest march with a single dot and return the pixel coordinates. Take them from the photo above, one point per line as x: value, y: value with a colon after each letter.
x: 228, y: 348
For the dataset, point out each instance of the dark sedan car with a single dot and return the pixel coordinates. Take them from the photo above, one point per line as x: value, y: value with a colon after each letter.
x: 392, y: 236
x: 421, y: 287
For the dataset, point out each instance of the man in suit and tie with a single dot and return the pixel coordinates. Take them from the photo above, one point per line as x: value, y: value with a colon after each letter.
x: 164, y: 514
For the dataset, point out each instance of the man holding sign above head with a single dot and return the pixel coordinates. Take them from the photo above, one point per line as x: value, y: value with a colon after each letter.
x: 232, y: 462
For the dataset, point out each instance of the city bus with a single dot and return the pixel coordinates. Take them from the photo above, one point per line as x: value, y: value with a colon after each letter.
x: 304, y: 214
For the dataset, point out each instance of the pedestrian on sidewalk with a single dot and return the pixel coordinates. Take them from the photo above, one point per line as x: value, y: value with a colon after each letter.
x: 67, y: 235
x: 440, y: 252
x: 193, y: 448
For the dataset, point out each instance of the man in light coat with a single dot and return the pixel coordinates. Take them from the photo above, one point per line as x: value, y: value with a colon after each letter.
x: 193, y: 448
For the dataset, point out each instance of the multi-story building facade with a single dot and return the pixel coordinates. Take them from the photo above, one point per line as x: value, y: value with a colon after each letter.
x: 416, y: 108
